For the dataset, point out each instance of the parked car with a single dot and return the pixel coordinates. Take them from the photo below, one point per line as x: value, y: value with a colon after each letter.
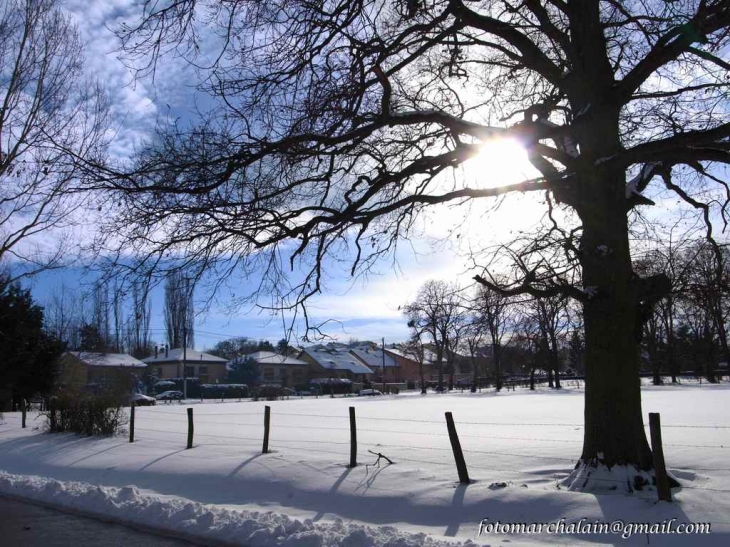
x: 138, y: 399
x: 170, y: 396
x: 369, y: 392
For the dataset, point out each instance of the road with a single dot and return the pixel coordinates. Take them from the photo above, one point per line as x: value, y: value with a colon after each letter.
x: 29, y: 525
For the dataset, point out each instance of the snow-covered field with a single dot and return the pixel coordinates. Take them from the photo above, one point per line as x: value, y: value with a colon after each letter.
x: 518, y: 446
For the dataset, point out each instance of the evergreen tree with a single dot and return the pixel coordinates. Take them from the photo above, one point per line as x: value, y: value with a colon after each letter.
x: 29, y: 354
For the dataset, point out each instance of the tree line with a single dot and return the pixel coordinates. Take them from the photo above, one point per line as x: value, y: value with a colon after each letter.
x: 494, y: 334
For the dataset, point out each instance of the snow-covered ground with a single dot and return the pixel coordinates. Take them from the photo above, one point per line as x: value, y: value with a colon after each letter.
x: 518, y: 447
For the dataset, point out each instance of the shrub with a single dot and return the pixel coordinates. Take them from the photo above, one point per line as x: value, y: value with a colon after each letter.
x: 178, y: 384
x: 223, y: 391
x: 88, y: 415
x: 269, y: 392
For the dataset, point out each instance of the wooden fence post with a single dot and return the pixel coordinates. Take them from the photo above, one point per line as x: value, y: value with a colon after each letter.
x: 456, y: 447
x: 660, y: 470
x: 267, y: 423
x: 131, y: 423
x: 24, y: 411
x: 190, y: 428
x: 353, y: 438
x: 90, y: 418
x: 52, y: 414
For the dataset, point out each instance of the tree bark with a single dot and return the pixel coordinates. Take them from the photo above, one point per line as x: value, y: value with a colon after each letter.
x: 614, y: 431
x: 555, y: 359
x: 475, y: 374
x: 496, y: 354
x: 420, y: 372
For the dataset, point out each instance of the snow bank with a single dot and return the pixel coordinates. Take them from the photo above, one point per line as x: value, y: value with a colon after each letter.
x: 192, y: 519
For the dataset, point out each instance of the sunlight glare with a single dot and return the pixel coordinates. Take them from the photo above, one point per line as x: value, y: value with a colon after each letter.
x: 500, y: 162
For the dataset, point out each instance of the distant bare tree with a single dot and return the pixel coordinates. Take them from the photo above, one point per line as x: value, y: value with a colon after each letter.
x: 101, y: 310
x: 551, y: 315
x: 473, y: 338
x: 62, y: 315
x: 527, y: 337
x: 498, y: 314
x: 435, y: 312
x: 138, y: 326
x: 179, y: 310
x: 414, y: 349
x: 52, y: 123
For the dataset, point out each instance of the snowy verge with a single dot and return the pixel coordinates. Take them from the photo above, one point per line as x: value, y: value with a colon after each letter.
x: 209, y: 523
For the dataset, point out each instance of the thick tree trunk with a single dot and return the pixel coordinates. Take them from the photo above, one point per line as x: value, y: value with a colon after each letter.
x: 555, y: 359
x: 496, y: 354
x: 475, y: 373
x: 614, y: 434
x: 420, y: 372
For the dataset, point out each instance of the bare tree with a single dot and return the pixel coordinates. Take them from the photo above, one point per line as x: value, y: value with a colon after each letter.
x: 62, y: 315
x: 436, y: 312
x: 498, y: 315
x: 335, y: 124
x: 101, y: 310
x: 179, y: 310
x: 415, y: 349
x: 138, y: 329
x: 551, y: 315
x: 709, y: 272
x: 52, y: 123
x: 474, y: 336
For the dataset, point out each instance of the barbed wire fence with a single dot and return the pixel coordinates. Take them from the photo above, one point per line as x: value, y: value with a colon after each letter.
x: 246, y: 430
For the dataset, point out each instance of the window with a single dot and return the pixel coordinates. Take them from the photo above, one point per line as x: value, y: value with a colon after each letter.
x: 203, y: 369
x: 159, y: 372
x: 189, y: 371
x: 268, y: 374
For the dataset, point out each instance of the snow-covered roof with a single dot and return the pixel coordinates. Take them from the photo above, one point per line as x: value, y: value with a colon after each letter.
x: 97, y: 359
x: 176, y: 356
x: 271, y: 358
x: 336, y: 357
x: 429, y: 357
x: 373, y: 358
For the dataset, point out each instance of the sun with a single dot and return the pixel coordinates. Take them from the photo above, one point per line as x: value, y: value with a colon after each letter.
x: 500, y: 162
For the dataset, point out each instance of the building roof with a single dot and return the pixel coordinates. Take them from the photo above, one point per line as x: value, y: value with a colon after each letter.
x: 429, y: 357
x: 336, y: 357
x: 176, y: 356
x: 271, y: 358
x: 97, y: 359
x: 373, y: 358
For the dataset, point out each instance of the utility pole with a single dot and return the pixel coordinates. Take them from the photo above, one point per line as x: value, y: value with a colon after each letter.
x: 185, y: 362
x: 186, y: 286
x: 383, y: 350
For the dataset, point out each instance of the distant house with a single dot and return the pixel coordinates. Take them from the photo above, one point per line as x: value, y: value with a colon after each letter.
x: 79, y: 369
x: 280, y: 369
x: 169, y: 364
x: 373, y: 358
x: 408, y: 366
x: 335, y: 361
